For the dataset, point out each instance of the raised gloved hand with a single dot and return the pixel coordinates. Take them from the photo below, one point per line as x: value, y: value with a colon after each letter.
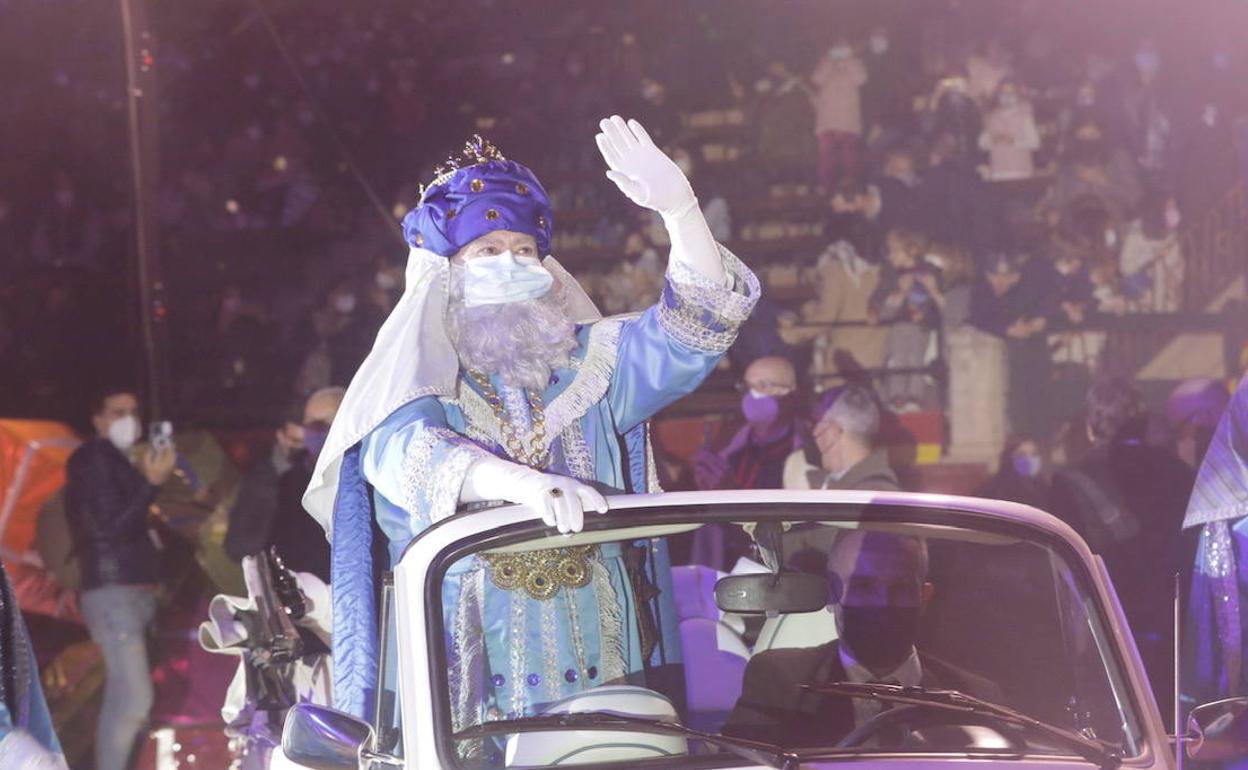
x: 641, y: 170
x: 560, y: 501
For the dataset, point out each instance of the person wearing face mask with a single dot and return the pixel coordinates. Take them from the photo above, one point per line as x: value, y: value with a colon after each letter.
x: 106, y: 505
x: 352, y: 324
x: 496, y: 379
x: 1010, y: 135
x: 1151, y: 260
x: 879, y: 590
x: 269, y: 510
x: 1020, y: 475
x: 754, y: 456
x: 837, y: 81
x: 888, y: 94
x: 841, y: 453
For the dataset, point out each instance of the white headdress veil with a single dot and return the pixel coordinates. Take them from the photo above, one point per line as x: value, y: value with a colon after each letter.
x: 412, y: 357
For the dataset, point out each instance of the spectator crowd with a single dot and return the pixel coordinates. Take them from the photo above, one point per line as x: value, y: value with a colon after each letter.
x: 902, y: 175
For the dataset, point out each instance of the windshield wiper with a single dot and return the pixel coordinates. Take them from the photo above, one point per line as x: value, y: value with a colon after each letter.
x: 754, y: 751
x: 953, y: 700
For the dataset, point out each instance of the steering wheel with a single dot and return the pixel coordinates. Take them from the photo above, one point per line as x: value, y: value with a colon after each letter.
x: 914, y: 718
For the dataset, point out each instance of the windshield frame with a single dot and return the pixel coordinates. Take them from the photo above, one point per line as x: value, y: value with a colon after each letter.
x: 934, y: 510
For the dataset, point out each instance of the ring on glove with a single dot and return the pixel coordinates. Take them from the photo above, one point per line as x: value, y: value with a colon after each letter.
x: 556, y: 492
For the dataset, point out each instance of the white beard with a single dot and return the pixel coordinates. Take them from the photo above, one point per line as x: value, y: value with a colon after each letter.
x: 520, y: 342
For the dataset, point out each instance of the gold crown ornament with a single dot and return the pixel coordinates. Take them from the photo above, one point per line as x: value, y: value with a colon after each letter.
x: 477, y: 150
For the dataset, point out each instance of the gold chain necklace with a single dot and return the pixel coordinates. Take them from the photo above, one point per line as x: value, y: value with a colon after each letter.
x: 536, y: 454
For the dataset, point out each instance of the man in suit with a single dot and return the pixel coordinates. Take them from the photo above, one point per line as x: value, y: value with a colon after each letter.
x: 879, y: 586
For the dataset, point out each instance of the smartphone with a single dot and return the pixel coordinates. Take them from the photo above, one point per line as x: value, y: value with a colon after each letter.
x: 160, y: 435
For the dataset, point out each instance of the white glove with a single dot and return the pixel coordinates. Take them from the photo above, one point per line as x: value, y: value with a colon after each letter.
x: 560, y: 501
x: 641, y: 170
x: 652, y: 180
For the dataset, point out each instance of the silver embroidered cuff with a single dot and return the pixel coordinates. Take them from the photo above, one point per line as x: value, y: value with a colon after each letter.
x: 699, y: 313
x: 437, y: 481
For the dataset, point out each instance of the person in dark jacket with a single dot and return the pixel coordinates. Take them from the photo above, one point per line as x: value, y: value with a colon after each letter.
x: 879, y: 586
x: 1011, y: 301
x: 269, y: 510
x: 107, y: 499
x: 844, y: 447
x: 848, y: 458
x: 1127, y: 499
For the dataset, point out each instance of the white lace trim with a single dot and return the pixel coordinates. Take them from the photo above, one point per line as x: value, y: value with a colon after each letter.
x: 576, y: 452
x: 468, y: 659
x: 593, y: 377
x: 696, y: 296
x: 440, y: 485
x: 611, y: 662
x: 652, y: 468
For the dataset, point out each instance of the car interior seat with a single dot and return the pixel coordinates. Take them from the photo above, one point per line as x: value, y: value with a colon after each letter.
x: 577, y: 747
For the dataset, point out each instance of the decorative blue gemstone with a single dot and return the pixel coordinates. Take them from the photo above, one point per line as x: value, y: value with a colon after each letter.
x: 571, y: 675
x: 593, y: 672
x: 497, y: 680
x: 534, y: 680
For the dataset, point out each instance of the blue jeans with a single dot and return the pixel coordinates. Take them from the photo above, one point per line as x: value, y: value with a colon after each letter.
x: 118, y: 618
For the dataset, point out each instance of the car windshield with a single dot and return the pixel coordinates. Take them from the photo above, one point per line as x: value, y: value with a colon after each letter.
x: 622, y: 620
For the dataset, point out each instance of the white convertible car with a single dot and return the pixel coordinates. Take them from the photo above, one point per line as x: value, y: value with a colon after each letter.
x: 1023, y: 653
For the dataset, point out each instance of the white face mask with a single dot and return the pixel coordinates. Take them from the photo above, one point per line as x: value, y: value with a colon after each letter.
x: 385, y: 280
x: 345, y: 304
x: 124, y: 432
x: 501, y: 279
x: 840, y: 52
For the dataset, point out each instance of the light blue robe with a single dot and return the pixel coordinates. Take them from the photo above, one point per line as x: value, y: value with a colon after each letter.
x: 510, y: 653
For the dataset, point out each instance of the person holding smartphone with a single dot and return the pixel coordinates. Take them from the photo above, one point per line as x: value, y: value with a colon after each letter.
x: 107, y: 500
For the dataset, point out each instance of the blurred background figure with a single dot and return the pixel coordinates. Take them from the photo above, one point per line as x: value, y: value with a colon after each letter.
x: 1020, y: 476
x: 1216, y: 647
x: 106, y: 504
x: 838, y: 79
x: 1126, y: 498
x: 269, y: 510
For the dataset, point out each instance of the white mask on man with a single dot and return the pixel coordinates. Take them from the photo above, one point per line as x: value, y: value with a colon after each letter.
x: 501, y: 279
x: 124, y: 432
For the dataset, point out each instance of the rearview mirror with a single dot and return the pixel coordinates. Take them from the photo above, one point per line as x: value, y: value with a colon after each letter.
x: 323, y: 739
x: 1218, y: 730
x: 772, y: 594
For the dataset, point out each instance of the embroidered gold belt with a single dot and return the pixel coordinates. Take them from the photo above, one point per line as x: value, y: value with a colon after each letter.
x: 541, y: 574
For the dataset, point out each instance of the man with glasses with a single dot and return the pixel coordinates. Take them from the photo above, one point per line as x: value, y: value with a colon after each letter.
x: 753, y: 457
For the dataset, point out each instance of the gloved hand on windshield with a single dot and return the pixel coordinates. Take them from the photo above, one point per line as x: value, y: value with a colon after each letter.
x: 560, y: 501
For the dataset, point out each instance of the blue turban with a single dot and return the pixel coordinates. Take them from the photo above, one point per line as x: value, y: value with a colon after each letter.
x: 492, y: 195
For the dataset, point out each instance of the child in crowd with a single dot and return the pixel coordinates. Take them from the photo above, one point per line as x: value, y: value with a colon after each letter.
x: 1152, y: 258
x: 909, y: 297
x: 1010, y: 136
